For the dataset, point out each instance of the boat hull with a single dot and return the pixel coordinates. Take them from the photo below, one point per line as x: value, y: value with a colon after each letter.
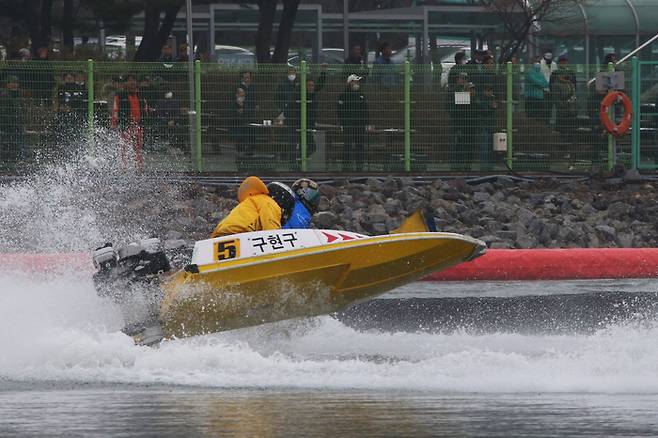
x: 304, y: 282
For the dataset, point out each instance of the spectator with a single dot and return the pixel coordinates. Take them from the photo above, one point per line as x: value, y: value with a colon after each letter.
x: 12, y: 141
x: 246, y: 83
x: 476, y: 59
x: 355, y: 63
x: 183, y: 54
x: 487, y: 105
x: 563, y: 84
x: 128, y: 114
x: 548, y: 67
x: 288, y: 114
x: 384, y: 68
x: 109, y: 90
x: 43, y: 80
x: 312, y: 87
x: 244, y: 115
x: 461, y: 143
x: 166, y: 54
x: 609, y: 58
x: 18, y: 68
x: 168, y: 118
x: 70, y: 108
x: 352, y: 114
x: 536, y: 87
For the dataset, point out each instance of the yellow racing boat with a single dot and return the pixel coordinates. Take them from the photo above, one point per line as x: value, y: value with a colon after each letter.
x: 260, y: 277
x: 254, y: 278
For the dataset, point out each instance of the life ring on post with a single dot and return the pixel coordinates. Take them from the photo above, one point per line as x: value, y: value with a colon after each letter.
x: 621, y: 128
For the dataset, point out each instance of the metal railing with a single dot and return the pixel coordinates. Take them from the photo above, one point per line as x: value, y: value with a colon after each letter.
x: 402, y: 118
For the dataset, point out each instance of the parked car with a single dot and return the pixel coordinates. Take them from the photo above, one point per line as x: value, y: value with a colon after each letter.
x: 234, y: 55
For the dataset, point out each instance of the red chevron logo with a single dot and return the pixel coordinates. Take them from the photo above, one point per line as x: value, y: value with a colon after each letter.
x: 330, y: 237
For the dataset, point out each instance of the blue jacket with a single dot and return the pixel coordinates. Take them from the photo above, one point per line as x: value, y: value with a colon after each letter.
x: 535, y: 83
x: 299, y: 218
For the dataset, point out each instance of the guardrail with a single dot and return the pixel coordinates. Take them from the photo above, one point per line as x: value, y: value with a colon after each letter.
x: 401, y: 119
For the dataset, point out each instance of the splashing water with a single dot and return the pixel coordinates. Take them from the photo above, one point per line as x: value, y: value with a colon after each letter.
x: 86, y: 198
x: 55, y: 328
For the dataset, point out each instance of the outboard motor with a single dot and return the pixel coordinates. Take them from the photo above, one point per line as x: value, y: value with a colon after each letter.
x: 136, y: 265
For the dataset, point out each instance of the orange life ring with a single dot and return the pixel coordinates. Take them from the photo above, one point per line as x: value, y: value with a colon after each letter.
x: 621, y: 128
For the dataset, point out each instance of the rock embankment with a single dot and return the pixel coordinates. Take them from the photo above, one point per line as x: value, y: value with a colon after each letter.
x: 505, y: 213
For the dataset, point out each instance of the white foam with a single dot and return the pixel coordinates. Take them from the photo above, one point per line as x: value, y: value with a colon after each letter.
x: 55, y: 328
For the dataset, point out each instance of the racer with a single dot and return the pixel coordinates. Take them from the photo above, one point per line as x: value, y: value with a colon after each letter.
x: 257, y: 210
x: 307, y: 200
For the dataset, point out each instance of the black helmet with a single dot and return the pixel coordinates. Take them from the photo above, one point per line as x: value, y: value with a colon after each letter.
x: 308, y: 192
x: 283, y: 196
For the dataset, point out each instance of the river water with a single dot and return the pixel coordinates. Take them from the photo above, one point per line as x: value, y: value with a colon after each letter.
x: 67, y: 370
x: 430, y: 359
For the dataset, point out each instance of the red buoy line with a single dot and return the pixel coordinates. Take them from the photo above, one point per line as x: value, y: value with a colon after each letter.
x: 496, y: 264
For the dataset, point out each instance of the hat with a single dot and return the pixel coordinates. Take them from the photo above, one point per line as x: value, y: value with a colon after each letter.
x: 563, y: 58
x: 351, y: 78
x: 9, y: 79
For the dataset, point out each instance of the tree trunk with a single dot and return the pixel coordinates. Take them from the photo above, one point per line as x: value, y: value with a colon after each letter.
x: 46, y: 23
x: 32, y: 17
x: 68, y: 23
x: 285, y: 31
x: 168, y: 22
x: 267, y: 11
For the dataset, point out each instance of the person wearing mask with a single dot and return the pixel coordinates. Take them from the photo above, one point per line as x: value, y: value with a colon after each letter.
x: 168, y: 118
x: 256, y: 211
x: 70, y: 108
x: 128, y: 113
x: 12, y: 141
x: 460, y: 109
x: 355, y: 63
x: 352, y: 114
x: 536, y: 86
x: 547, y: 67
x: 288, y: 109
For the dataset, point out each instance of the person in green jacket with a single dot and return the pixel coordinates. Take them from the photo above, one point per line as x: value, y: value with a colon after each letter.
x: 536, y: 86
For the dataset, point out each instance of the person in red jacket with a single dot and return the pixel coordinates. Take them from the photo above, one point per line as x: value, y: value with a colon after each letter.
x: 128, y: 113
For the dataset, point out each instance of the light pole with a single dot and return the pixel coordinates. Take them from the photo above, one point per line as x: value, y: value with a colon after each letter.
x: 190, y: 74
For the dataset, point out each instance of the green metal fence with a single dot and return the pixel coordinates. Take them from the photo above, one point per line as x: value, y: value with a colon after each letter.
x: 271, y: 118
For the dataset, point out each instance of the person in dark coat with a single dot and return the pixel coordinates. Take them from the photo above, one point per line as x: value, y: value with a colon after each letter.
x: 287, y: 101
x: 487, y: 97
x: 563, y: 90
x: 42, y: 78
x: 352, y: 114
x: 12, y: 109
x: 70, y: 108
x: 312, y: 88
x: 461, y: 145
x: 355, y: 63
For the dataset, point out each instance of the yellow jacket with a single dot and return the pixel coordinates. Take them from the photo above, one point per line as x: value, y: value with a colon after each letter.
x: 256, y: 211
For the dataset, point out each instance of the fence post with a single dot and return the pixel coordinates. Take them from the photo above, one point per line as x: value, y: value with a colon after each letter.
x: 302, y: 126
x: 509, y: 111
x: 197, y: 115
x: 635, y: 98
x: 407, y: 116
x: 90, y: 99
x: 611, y: 139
